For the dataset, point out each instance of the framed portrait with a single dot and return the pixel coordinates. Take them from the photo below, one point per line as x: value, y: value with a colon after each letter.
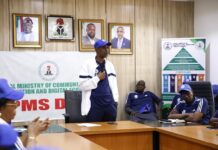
x: 27, y: 30
x: 59, y: 28
x: 121, y: 37
x: 90, y: 31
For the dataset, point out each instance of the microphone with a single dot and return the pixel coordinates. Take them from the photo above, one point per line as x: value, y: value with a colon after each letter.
x: 103, y: 66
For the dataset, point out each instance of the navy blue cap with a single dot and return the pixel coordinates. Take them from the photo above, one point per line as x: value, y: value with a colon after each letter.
x: 7, y: 92
x: 101, y: 43
x: 7, y: 135
x: 185, y: 87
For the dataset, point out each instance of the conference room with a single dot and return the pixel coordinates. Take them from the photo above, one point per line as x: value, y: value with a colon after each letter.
x: 81, y: 66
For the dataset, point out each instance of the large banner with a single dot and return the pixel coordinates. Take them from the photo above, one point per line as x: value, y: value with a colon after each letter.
x: 44, y: 76
x: 182, y: 59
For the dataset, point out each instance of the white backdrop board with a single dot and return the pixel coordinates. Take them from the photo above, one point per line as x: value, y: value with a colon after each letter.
x: 43, y: 76
x: 182, y: 59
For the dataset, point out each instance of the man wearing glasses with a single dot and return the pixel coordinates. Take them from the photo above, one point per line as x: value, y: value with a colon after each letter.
x: 8, y: 103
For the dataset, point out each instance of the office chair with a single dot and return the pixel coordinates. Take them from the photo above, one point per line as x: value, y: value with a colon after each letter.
x: 73, y: 107
x: 216, y: 102
x: 204, y: 89
x: 215, y: 95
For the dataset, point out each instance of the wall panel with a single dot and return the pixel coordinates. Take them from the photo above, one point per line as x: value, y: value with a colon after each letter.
x: 66, y: 7
x: 148, y: 20
x: 122, y: 11
x: 178, y: 19
x: 4, y: 29
x: 90, y: 9
x: 25, y: 7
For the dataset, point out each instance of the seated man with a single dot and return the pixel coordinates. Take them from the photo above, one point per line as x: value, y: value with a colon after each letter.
x: 141, y: 104
x: 177, y: 98
x: 191, y: 109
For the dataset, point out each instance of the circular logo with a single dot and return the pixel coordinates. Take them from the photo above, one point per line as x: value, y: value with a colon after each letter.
x: 167, y: 45
x: 135, y: 96
x: 48, y: 70
x: 199, y: 45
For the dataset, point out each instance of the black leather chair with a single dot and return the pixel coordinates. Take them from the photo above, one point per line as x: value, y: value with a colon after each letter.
x: 215, y: 95
x: 216, y: 102
x: 204, y: 89
x: 73, y: 107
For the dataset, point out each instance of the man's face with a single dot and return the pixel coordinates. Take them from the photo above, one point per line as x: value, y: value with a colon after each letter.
x: 9, y: 110
x: 27, y: 27
x: 187, y: 96
x: 102, y: 52
x: 120, y: 33
x: 91, y: 31
x: 140, y: 86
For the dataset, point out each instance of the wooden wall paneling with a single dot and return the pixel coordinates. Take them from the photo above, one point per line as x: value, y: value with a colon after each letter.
x: 25, y: 7
x: 158, y: 24
x: 122, y: 11
x: 148, y: 20
x: 57, y: 7
x: 4, y: 29
x: 90, y: 9
x: 178, y: 19
x: 189, y: 19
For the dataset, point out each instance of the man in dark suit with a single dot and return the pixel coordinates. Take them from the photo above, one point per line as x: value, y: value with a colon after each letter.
x: 120, y: 41
x: 90, y: 38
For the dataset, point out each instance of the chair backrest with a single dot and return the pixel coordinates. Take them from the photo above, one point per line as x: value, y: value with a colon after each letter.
x: 216, y: 102
x: 204, y: 89
x: 73, y: 106
x: 215, y: 95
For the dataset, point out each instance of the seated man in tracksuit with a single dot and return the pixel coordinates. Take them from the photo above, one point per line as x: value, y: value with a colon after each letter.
x: 191, y: 108
x: 177, y: 98
x: 141, y: 105
x: 97, y: 80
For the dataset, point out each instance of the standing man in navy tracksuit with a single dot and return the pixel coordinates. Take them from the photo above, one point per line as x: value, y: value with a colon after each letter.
x: 97, y: 80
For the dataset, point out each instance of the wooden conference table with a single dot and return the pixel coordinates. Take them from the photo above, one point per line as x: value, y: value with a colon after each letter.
x: 188, y: 138
x: 132, y: 136
x: 123, y: 135
x: 66, y: 141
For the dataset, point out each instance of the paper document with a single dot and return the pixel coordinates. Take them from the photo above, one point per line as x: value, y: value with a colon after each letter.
x: 172, y: 121
x: 88, y: 125
x: 20, y: 129
x: 176, y: 120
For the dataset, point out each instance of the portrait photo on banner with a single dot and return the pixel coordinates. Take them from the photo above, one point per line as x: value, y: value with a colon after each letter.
x: 90, y: 31
x: 121, y: 37
x: 59, y: 28
x: 27, y: 30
